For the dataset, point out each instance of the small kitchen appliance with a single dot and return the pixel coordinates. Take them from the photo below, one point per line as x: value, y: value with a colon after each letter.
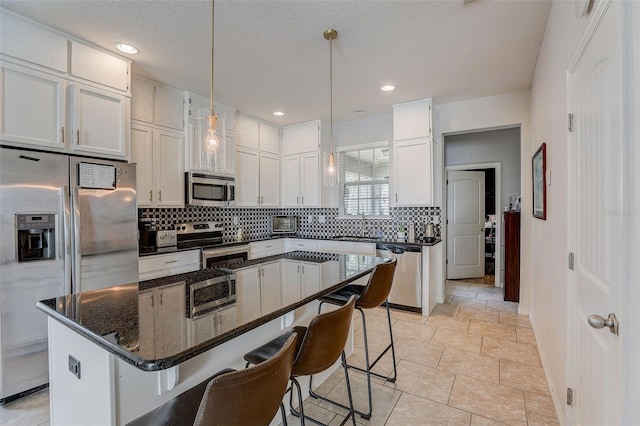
x: 284, y: 224
x: 203, y: 189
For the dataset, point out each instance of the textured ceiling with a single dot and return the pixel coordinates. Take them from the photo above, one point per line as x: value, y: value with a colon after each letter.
x: 271, y: 55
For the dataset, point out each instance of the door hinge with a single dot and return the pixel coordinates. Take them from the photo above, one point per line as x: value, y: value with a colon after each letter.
x: 447, y: 261
x: 570, y: 122
x: 571, y: 261
x: 569, y: 396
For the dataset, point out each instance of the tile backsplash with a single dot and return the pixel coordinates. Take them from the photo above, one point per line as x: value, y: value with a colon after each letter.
x: 256, y: 223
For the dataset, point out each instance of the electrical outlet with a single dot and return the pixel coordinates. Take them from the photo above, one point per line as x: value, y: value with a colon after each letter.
x: 322, y: 218
x: 235, y: 220
x: 74, y: 366
x: 309, y: 219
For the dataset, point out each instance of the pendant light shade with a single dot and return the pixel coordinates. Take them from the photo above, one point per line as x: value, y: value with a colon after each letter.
x: 210, y: 135
x: 331, y: 171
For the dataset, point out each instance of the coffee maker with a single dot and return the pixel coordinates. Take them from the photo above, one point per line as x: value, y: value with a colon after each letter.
x: 147, y: 232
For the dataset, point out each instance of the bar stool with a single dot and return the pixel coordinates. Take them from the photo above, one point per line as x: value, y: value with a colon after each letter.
x: 374, y: 294
x: 319, y: 347
x: 245, y: 397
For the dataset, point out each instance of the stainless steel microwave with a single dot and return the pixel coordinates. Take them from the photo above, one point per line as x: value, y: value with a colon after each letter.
x: 203, y: 189
x: 284, y: 224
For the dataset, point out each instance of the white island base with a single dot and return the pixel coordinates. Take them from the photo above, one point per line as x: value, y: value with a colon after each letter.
x: 109, y: 391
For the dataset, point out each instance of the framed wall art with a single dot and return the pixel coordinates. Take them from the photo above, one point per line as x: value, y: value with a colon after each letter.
x: 539, y: 170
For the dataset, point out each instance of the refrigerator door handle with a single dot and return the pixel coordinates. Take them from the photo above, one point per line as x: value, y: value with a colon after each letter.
x: 77, y: 249
x: 66, y: 214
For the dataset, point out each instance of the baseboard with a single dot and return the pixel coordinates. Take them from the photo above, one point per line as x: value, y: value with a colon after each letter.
x: 523, y: 311
x: 558, y: 402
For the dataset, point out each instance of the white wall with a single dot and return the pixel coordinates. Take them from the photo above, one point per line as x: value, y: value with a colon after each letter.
x: 490, y: 112
x: 549, y: 238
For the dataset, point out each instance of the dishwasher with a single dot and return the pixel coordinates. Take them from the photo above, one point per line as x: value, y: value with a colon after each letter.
x: 406, y: 291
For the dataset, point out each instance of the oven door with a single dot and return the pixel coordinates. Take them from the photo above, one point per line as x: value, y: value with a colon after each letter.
x: 207, y: 295
x: 206, y: 191
x: 216, y: 257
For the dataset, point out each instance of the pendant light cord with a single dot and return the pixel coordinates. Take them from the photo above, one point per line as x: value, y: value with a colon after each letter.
x: 331, y: 96
x: 212, y: 28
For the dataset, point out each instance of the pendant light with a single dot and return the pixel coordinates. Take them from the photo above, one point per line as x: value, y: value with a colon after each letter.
x: 211, y: 144
x: 330, y: 159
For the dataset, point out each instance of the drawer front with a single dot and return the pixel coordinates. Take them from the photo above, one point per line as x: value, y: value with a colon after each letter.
x: 162, y: 265
x: 294, y: 244
x: 347, y: 247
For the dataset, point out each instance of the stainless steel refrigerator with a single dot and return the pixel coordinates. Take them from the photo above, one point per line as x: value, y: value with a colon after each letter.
x: 68, y: 224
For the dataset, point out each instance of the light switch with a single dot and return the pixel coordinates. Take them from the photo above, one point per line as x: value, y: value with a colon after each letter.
x: 74, y: 366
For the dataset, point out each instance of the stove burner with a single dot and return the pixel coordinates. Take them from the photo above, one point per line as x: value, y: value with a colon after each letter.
x: 198, y: 234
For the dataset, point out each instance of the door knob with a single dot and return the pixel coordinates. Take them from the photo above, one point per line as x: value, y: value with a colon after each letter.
x: 596, y: 321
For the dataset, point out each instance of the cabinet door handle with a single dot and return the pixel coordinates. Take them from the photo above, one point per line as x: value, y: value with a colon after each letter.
x: 303, y: 199
x: 78, y: 137
x: 396, y: 197
x: 170, y: 261
x: 152, y: 303
x: 261, y: 200
x: 151, y: 195
x: 62, y: 134
x: 160, y: 195
x: 302, y: 269
x: 298, y: 268
x: 161, y: 298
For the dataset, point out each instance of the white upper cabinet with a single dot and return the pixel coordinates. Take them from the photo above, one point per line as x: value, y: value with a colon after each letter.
x: 33, y: 107
x: 301, y: 180
x: 412, y: 176
x: 257, y: 179
x: 301, y: 138
x: 412, y: 120
x: 159, y: 172
x: 33, y: 43
x: 99, y: 122
x: 157, y: 104
x: 93, y: 64
x: 257, y: 135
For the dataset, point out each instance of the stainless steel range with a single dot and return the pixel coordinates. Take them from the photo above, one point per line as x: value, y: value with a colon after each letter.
x: 208, y: 236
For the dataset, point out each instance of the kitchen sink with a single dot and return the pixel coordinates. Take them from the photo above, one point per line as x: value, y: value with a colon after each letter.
x: 353, y: 238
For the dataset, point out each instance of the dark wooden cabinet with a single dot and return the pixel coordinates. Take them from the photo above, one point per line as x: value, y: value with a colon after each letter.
x: 512, y: 256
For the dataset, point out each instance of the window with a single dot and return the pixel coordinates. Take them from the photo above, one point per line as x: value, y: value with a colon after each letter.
x: 364, y: 177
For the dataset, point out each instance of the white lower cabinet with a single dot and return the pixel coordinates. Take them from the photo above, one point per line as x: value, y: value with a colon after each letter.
x: 257, y: 291
x: 162, y: 317
x: 346, y: 247
x: 163, y: 265
x: 293, y: 244
x: 299, y: 280
x: 160, y: 172
x: 301, y: 180
x: 210, y: 325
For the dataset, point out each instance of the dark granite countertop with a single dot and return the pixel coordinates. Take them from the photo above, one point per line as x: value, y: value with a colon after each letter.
x: 117, y: 318
x: 421, y: 241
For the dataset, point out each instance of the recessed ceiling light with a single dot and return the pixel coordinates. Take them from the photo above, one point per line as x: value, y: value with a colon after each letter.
x: 278, y: 113
x: 358, y: 112
x: 127, y: 48
x: 388, y: 88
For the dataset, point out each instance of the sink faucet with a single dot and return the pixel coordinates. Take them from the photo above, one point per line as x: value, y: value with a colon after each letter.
x: 363, y: 225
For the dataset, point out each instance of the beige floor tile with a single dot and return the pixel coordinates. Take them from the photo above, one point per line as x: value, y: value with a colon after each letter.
x: 492, y: 294
x: 502, y: 306
x: 471, y: 294
x: 512, y: 318
x: 414, y: 331
x: 501, y: 331
x: 470, y: 364
x: 489, y: 400
x: 384, y: 366
x: 413, y: 410
x: 514, y: 351
x: 377, y: 341
x: 522, y: 376
x: 445, y: 310
x: 377, y: 323
x: 423, y: 381
x: 478, y: 314
x: 312, y: 410
x: 455, y: 285
x: 384, y: 399
x: 457, y: 340
x: 525, y: 335
x: 417, y: 351
x: 407, y: 316
x: 477, y: 420
x: 540, y: 410
x: 451, y: 323
x: 465, y: 301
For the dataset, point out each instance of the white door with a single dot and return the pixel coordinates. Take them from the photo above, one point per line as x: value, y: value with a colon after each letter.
x: 412, y: 164
x: 142, y: 155
x: 465, y: 229
x: 291, y: 181
x: 596, y: 234
x: 310, y: 178
x: 269, y: 180
x: 168, y: 168
x: 247, y: 178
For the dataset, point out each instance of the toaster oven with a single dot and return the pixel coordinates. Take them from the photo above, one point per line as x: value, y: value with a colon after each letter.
x: 284, y: 224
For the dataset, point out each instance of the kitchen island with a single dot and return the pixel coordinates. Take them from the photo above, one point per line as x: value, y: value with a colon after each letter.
x: 117, y: 353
